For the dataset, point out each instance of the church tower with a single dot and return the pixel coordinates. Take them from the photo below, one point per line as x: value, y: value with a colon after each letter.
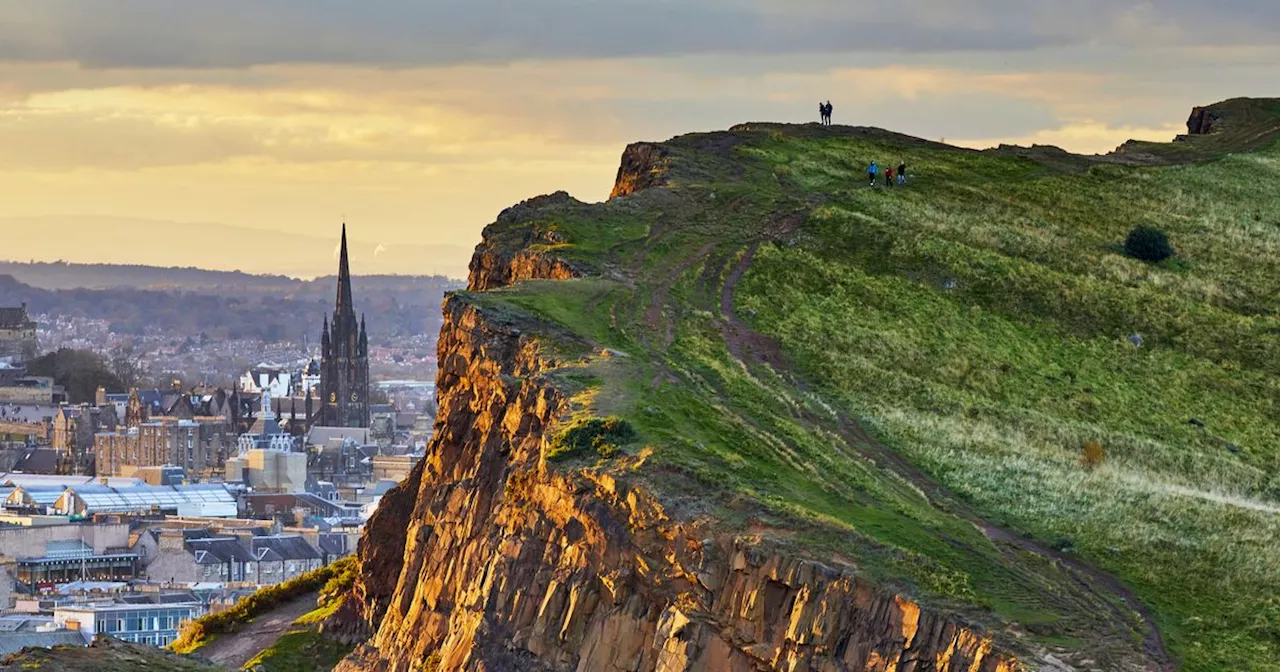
x: 344, y: 357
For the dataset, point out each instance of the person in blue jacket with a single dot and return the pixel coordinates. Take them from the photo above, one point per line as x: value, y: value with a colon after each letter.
x: 872, y: 171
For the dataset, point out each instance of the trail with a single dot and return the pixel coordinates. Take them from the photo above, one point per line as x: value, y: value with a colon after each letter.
x: 750, y: 346
x: 234, y: 650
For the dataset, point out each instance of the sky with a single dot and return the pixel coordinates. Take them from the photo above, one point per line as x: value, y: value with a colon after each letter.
x: 240, y: 134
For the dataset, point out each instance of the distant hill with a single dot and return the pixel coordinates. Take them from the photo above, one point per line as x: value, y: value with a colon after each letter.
x: 220, y: 305
x: 125, y: 240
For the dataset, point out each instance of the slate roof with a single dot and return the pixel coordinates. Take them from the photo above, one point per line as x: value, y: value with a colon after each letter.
x: 218, y: 551
x: 13, y: 642
x: 333, y: 544
x: 322, y: 435
x: 283, y: 547
x: 40, y: 461
x: 14, y: 318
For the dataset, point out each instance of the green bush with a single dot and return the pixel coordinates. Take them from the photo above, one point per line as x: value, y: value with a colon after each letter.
x: 602, y: 435
x: 1148, y: 244
x: 198, y: 632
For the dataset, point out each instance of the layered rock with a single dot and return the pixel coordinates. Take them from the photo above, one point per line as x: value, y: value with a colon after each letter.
x: 1203, y: 121
x: 644, y: 165
x: 524, y: 256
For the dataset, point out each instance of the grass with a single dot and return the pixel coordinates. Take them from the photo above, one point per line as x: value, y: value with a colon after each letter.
x: 977, y: 322
x: 332, y: 581
x: 303, y: 648
x: 102, y: 656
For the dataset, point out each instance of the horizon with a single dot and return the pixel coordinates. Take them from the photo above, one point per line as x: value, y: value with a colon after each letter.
x: 128, y: 129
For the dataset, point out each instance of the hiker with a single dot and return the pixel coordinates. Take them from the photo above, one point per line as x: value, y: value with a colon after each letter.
x: 888, y: 176
x: 828, y: 113
x: 872, y: 171
x: 902, y: 172
x: 822, y: 112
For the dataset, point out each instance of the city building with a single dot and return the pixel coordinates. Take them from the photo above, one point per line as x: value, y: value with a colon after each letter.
x: 74, y: 428
x: 269, y: 469
x: 232, y: 555
x: 393, y: 468
x: 266, y: 459
x: 73, y: 560
x: 18, y: 388
x: 17, y: 335
x: 281, y: 557
x: 200, y: 447
x: 205, y: 500
x: 344, y: 362
x: 155, y: 624
x: 19, y: 631
x: 39, y: 552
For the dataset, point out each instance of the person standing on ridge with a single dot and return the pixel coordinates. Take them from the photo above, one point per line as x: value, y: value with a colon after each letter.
x: 872, y: 171
x: 829, y: 113
x: 902, y: 171
x: 822, y: 113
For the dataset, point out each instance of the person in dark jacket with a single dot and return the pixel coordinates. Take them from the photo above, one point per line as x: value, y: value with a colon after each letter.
x: 902, y: 172
x: 829, y: 113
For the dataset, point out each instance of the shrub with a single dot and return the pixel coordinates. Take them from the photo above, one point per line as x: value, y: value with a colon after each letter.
x: 1148, y: 244
x: 1091, y: 454
x: 198, y: 632
x: 603, y: 435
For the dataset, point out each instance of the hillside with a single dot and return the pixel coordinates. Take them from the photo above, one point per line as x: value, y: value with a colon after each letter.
x: 137, y: 300
x: 751, y: 412
x: 105, y: 655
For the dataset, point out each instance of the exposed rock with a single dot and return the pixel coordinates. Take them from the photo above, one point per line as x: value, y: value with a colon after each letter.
x: 1203, y: 121
x: 644, y: 165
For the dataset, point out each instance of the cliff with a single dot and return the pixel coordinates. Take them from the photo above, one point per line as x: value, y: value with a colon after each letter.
x: 750, y: 414
x: 485, y: 558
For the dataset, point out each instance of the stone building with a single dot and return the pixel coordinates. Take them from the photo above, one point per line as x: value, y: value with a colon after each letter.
x: 200, y: 446
x: 74, y: 428
x: 17, y: 335
x: 344, y: 363
x: 194, y: 556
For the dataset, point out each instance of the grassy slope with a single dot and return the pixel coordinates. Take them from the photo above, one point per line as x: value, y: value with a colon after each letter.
x: 303, y: 648
x: 975, y: 322
x: 112, y: 656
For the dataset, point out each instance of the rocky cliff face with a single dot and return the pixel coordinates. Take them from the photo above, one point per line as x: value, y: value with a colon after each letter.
x: 501, y: 263
x: 644, y: 165
x: 1203, y: 121
x: 486, y: 558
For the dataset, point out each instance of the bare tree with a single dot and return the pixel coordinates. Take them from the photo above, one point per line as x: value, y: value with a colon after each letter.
x: 127, y: 366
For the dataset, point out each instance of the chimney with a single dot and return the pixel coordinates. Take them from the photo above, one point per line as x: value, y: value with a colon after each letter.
x: 100, y: 397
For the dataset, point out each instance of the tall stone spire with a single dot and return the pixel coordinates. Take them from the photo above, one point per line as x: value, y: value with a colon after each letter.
x: 344, y: 302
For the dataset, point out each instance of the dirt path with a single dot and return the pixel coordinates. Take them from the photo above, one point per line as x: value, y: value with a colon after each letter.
x: 753, y: 347
x: 234, y: 650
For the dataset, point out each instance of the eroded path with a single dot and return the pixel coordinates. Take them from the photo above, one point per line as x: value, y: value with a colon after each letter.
x: 233, y: 651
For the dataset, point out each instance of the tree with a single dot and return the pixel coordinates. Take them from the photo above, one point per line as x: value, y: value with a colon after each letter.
x: 1148, y: 244
x: 80, y: 372
x: 126, y: 366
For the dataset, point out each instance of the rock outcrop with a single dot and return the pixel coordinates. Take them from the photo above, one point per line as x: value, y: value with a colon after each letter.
x: 487, y: 558
x: 506, y: 262
x: 1203, y: 121
x: 644, y: 165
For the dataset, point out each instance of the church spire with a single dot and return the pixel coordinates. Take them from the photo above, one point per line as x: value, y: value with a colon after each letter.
x: 344, y: 302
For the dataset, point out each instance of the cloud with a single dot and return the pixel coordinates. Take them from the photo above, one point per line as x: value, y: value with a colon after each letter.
x: 407, y: 33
